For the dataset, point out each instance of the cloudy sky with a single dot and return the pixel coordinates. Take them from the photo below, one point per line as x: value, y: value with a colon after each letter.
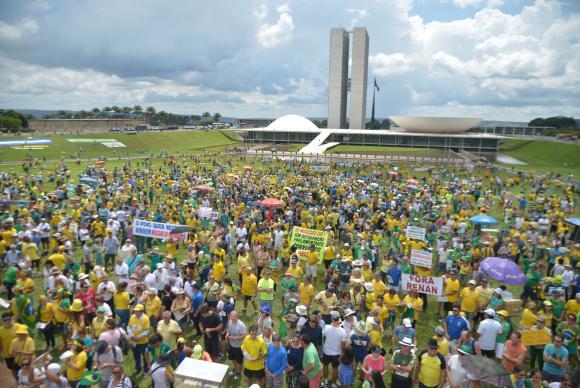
x: 499, y: 59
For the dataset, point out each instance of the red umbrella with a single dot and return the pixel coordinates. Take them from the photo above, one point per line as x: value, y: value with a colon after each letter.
x: 272, y: 202
x: 203, y: 188
x: 393, y: 173
x: 412, y: 181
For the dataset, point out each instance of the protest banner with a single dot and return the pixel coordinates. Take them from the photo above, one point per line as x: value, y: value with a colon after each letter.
x: 421, y: 258
x: 415, y: 232
x: 425, y: 284
x: 320, y: 168
x: 155, y: 229
x: 535, y: 337
x: 204, y: 212
x: 302, y: 238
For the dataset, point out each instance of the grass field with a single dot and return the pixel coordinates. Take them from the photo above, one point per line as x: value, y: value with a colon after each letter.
x: 544, y: 156
x: 150, y: 142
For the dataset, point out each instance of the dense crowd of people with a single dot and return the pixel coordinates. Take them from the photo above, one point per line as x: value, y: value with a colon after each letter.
x: 81, y: 285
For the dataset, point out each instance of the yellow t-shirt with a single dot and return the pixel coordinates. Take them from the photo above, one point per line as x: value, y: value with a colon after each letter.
x: 468, y: 300
x: 305, y: 293
x: 370, y: 299
x: 572, y: 307
x: 383, y: 312
x: 25, y: 346
x: 99, y: 326
x: 430, y: 369
x: 80, y: 362
x: 47, y: 313
x: 6, y: 336
x: 140, y: 328
x: 328, y: 302
x: 31, y: 250
x: 529, y: 319
x: 393, y: 302
x: 452, y: 289
x: 249, y: 284
x: 153, y: 307
x: 27, y: 285
x: 379, y: 287
x: 417, y: 305
x: 256, y: 348
x: 376, y: 336
x: 442, y: 346
x: 218, y: 271
x: 297, y: 271
x: 484, y: 296
x: 58, y: 259
x: 121, y: 299
x: 60, y: 315
x: 312, y: 258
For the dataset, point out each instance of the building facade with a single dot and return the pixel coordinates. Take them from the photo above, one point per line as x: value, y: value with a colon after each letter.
x: 338, y: 78
x: 359, y: 78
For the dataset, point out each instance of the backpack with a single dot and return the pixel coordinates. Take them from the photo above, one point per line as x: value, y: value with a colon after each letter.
x: 123, y: 343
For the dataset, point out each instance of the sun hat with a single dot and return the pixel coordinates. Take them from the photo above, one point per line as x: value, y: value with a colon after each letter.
x: 181, y: 340
x: 407, y: 322
x: 406, y: 341
x: 293, y: 300
x: 100, y: 309
x: 471, y: 282
x: 439, y: 330
x: 348, y: 312
x: 369, y: 287
x: 54, y: 367
x: 490, y: 312
x: 76, y: 306
x: 503, y: 313
x: 138, y: 307
x: 180, y: 291
x: 335, y: 315
x: 22, y: 330
x: 197, y: 351
x: 301, y: 310
x: 361, y: 327
x: 265, y: 309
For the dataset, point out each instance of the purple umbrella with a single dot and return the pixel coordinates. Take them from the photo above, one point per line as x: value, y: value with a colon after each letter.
x: 503, y: 270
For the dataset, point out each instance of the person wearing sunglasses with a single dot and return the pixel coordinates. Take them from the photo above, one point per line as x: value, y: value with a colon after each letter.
x: 119, y: 380
x: 555, y: 360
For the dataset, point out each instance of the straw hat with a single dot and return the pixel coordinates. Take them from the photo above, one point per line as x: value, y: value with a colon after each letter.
x: 301, y: 310
x: 361, y: 327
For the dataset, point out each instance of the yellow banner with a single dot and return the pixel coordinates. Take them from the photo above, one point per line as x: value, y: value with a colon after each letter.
x: 535, y: 337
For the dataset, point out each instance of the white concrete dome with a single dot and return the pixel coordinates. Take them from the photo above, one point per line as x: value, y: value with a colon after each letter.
x: 292, y: 123
x: 436, y: 124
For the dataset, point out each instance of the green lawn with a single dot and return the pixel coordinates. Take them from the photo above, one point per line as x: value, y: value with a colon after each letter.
x: 544, y: 156
x: 151, y: 142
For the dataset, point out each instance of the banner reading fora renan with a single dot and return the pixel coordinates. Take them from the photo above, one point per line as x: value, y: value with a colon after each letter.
x: 155, y: 229
x: 302, y: 238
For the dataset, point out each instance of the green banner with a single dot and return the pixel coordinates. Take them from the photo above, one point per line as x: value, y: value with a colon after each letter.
x: 302, y: 238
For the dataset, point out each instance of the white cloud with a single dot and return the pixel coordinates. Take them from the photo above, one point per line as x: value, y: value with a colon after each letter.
x: 272, y: 35
x: 390, y: 64
x: 38, y: 6
x: 20, y: 31
x: 357, y: 15
x: 262, y: 12
x: 466, y: 3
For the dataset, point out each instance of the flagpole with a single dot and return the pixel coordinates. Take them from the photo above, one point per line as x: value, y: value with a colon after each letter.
x: 373, y: 110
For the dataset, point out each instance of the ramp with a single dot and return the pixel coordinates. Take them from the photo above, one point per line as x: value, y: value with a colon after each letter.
x: 316, y: 146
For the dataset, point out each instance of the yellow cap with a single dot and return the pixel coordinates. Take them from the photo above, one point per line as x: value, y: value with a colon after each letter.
x: 139, y: 307
x: 503, y: 313
x: 76, y: 306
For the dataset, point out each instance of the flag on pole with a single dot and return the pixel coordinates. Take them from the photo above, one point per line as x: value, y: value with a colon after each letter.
x: 377, y: 86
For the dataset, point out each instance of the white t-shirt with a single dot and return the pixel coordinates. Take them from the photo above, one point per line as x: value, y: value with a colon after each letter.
x: 333, y: 339
x: 107, y: 290
x: 488, y: 331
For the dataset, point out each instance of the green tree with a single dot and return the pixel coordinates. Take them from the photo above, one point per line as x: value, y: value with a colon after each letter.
x: 205, y: 116
x: 137, y: 109
x: 217, y: 117
x: 9, y: 123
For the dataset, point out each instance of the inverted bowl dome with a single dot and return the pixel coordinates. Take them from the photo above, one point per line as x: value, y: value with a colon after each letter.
x: 436, y: 124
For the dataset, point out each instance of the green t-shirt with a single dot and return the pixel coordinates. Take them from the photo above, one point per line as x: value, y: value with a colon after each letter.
x: 534, y: 278
x: 311, y: 357
x: 500, y: 339
x: 557, y: 306
x: 10, y: 275
x: 400, y: 359
x: 155, y: 352
x: 266, y: 283
x: 155, y: 259
x: 570, y: 335
x: 406, y: 268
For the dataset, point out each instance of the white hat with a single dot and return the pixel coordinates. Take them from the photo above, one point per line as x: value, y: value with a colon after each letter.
x: 159, y: 265
x: 406, y: 341
x: 301, y: 309
x: 54, y: 367
x: 490, y: 312
x: 369, y: 287
x: 153, y: 290
x: 407, y: 322
x: 471, y: 282
x: 348, y: 312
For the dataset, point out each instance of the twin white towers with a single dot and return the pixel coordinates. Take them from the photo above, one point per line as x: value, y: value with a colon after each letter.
x: 338, y: 78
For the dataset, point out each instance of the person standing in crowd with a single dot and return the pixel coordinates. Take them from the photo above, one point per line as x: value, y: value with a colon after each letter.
x: 106, y: 358
x: 311, y: 366
x: 334, y: 340
x: 235, y: 334
x: 255, y: 351
x: 210, y: 325
x: 294, y: 354
x: 454, y: 324
x: 514, y: 353
x: 431, y: 367
x: 139, y: 331
x: 537, y: 351
x: 402, y: 364
x: 266, y: 290
x: 488, y: 331
x: 555, y: 358
x: 169, y: 329
x: 276, y: 363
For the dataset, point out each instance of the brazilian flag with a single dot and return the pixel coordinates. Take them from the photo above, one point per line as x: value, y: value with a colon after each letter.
x: 90, y: 377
